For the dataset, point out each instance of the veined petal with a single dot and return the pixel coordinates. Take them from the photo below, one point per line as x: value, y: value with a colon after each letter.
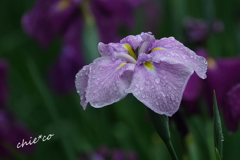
x: 162, y: 89
x: 81, y: 84
x: 174, y: 52
x: 108, y: 49
x: 108, y: 81
x: 133, y: 41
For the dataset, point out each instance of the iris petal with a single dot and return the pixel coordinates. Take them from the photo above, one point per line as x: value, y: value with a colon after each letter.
x: 162, y: 89
x: 107, y: 82
x: 175, y: 52
x: 81, y: 84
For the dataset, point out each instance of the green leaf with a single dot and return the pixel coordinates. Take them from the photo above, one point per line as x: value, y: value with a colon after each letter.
x: 90, y: 34
x: 218, y: 157
x: 218, y: 135
x: 90, y: 42
x: 161, y: 125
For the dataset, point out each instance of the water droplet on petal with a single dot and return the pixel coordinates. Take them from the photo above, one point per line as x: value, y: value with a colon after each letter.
x: 163, y: 95
x: 157, y: 80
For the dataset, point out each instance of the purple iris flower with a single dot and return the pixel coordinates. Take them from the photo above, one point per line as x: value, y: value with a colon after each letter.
x: 62, y: 73
x: 223, y: 79
x: 50, y: 17
x: 156, y: 75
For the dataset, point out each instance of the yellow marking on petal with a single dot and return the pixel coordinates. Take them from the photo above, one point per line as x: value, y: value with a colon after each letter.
x: 121, y: 65
x: 63, y: 4
x: 130, y: 50
x: 157, y: 48
x: 149, y: 65
x: 211, y: 63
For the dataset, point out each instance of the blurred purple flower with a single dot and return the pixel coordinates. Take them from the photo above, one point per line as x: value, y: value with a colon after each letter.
x: 3, y: 84
x: 197, y: 30
x: 50, y: 17
x: 194, y: 87
x: 62, y: 73
x: 11, y: 133
x: 232, y: 109
x: 223, y: 79
x: 156, y: 75
x: 116, y: 154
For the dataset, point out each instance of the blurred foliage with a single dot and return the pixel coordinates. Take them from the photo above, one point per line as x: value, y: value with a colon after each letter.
x: 124, y: 124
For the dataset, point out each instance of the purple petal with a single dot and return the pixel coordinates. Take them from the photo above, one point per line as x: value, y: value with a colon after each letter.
x: 160, y: 89
x: 192, y: 93
x: 12, y: 133
x: 110, y: 16
x: 81, y: 84
x: 118, y: 155
x: 193, y: 88
x: 108, y: 49
x: 175, y: 52
x: 133, y: 41
x: 62, y: 74
x: 232, y: 108
x: 221, y: 78
x: 108, y: 81
x: 47, y: 18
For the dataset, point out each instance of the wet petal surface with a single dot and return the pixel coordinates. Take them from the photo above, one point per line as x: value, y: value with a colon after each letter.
x: 175, y: 52
x: 160, y: 89
x: 108, y: 81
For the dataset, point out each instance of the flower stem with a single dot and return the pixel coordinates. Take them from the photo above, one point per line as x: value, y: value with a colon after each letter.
x: 171, y: 150
x: 50, y: 106
x: 161, y: 125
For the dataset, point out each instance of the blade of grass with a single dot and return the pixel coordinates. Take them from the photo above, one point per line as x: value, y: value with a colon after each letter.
x: 218, y: 135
